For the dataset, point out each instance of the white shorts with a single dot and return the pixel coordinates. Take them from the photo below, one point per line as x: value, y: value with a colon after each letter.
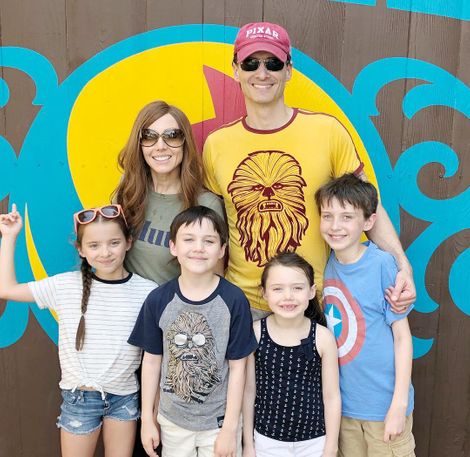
x: 267, y: 447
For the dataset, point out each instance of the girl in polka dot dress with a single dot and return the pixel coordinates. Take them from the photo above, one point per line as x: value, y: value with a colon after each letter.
x: 292, y: 403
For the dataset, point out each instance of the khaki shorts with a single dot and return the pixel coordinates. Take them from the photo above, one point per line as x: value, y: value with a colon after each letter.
x: 359, y: 438
x: 179, y: 442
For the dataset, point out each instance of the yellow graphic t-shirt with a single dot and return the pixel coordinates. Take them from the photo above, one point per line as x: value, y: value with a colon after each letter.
x: 268, y: 179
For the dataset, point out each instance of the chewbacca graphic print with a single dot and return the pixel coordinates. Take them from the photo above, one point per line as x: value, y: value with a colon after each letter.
x: 268, y: 179
x: 267, y: 192
x: 192, y: 366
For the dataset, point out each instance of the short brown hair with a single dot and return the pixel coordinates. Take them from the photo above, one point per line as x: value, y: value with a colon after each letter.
x: 349, y: 189
x: 197, y: 214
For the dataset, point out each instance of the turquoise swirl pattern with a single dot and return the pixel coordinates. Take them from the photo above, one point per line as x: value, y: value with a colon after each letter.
x: 446, y: 217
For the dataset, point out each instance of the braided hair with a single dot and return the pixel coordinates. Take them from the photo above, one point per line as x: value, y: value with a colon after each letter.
x: 87, y: 275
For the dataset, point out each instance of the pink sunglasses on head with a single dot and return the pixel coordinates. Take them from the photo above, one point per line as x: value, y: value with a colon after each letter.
x: 85, y: 216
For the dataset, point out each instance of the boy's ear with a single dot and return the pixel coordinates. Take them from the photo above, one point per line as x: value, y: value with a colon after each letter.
x: 369, y: 223
x: 172, y: 249
x: 223, y: 249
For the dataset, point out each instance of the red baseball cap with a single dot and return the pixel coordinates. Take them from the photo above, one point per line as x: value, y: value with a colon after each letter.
x: 262, y: 36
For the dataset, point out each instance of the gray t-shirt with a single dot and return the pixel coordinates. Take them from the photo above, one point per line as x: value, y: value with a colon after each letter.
x: 150, y: 255
x: 196, y: 339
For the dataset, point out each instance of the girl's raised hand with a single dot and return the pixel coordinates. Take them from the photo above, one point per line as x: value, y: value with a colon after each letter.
x: 11, y: 223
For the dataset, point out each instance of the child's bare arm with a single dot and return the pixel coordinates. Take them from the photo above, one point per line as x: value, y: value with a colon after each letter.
x: 396, y: 415
x: 226, y: 442
x: 150, y: 436
x: 248, y: 408
x: 326, y: 346
x: 10, y: 227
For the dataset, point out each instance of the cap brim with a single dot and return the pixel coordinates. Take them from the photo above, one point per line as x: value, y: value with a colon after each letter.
x: 251, y: 48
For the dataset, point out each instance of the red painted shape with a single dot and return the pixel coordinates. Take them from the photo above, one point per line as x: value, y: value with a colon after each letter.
x: 228, y: 101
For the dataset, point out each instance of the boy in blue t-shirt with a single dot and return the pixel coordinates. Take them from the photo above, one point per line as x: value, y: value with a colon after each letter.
x: 196, y: 331
x: 374, y: 343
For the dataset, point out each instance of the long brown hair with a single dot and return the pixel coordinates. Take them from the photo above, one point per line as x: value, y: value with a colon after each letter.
x: 132, y: 191
x: 87, y: 273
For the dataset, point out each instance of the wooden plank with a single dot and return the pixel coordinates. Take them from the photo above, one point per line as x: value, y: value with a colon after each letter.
x: 165, y: 14
x: 241, y: 12
x: 37, y: 25
x: 311, y: 26
x: 342, y: 38
x: 450, y: 390
x: 93, y: 26
x: 29, y: 368
x: 441, y: 422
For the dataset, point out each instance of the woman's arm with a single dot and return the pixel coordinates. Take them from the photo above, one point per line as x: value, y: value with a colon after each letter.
x: 326, y: 346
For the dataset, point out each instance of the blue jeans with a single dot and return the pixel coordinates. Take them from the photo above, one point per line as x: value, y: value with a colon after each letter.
x: 83, y: 411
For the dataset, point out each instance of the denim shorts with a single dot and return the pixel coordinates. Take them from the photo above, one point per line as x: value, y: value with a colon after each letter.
x: 83, y: 411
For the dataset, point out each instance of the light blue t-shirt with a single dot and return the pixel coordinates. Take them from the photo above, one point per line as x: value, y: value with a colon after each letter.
x: 361, y: 320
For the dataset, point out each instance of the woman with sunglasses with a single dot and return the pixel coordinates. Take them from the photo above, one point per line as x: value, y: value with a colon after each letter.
x: 97, y: 308
x: 162, y: 175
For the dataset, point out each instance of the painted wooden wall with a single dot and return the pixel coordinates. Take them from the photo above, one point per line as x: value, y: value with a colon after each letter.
x: 432, y: 40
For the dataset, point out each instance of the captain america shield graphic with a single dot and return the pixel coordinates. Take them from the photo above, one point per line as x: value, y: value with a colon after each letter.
x: 345, y: 320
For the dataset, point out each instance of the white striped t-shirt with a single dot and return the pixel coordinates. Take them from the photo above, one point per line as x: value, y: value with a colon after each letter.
x: 106, y: 362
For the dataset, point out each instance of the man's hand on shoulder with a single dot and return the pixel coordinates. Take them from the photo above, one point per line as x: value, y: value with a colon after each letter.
x: 403, y: 294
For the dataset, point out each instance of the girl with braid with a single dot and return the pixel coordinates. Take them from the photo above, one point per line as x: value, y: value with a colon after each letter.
x: 97, y: 308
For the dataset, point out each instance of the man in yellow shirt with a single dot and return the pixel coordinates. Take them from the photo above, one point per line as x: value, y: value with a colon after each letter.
x: 268, y: 165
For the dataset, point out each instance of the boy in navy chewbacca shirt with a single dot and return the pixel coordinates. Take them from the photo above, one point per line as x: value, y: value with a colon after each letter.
x: 196, y: 331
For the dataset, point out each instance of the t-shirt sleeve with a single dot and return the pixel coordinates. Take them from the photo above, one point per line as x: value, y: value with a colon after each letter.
x: 242, y: 341
x: 344, y: 155
x: 389, y: 273
x: 147, y: 333
x: 212, y: 201
x: 45, y: 292
x: 209, y: 167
